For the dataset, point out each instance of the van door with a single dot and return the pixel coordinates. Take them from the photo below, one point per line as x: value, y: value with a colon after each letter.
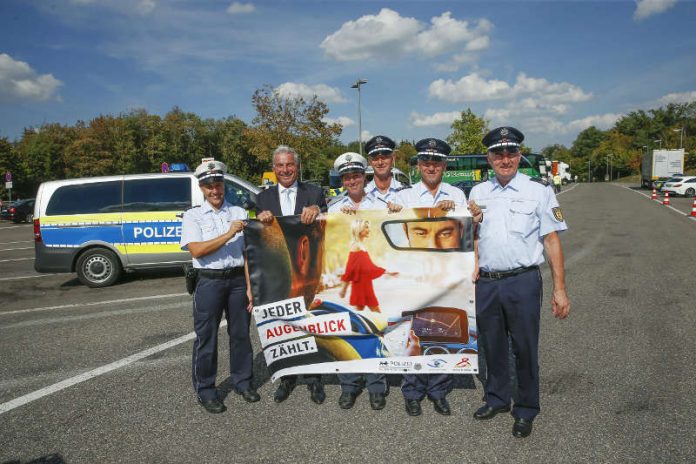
x: 152, y: 210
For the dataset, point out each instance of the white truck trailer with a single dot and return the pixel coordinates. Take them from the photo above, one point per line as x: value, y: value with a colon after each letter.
x: 661, y: 165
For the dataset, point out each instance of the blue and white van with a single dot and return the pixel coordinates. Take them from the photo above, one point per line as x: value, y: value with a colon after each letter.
x: 102, y: 226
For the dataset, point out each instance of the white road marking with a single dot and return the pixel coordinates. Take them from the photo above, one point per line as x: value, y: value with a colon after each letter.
x: 83, y: 317
x: 567, y: 190
x: 94, y: 303
x: 38, y: 394
x: 15, y: 249
x: 12, y: 243
x: 4, y: 279
x: 15, y: 227
x: 15, y: 259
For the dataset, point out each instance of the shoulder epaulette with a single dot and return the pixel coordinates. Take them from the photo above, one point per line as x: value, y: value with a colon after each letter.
x: 197, y: 206
x: 403, y: 187
x: 539, y: 180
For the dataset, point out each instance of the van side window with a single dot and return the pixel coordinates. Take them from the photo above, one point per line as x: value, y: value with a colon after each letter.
x: 238, y: 196
x: 167, y: 194
x: 97, y: 197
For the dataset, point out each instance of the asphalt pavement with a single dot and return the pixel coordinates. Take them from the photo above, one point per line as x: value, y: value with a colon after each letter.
x: 103, y: 375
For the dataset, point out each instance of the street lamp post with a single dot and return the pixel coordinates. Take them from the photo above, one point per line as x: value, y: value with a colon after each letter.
x: 357, y: 85
x: 681, y: 136
x: 589, y: 171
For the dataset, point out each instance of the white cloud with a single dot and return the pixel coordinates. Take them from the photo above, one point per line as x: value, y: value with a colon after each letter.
x: 390, y: 35
x: 600, y: 121
x: 145, y: 6
x: 322, y: 91
x: 344, y: 121
x: 683, y: 97
x: 366, y: 135
x: 550, y: 125
x: 437, y: 119
x: 473, y: 88
x: 18, y: 81
x: 240, y: 8
x: 82, y: 2
x: 647, y: 8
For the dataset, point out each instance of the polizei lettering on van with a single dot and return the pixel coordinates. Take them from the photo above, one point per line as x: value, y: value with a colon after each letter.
x: 157, y: 232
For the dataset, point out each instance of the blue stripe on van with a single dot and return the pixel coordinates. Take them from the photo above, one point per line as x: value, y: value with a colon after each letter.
x: 75, y: 236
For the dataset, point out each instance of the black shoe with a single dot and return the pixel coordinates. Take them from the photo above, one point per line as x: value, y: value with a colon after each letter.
x: 347, y: 400
x: 413, y: 407
x: 213, y: 406
x: 250, y: 395
x: 377, y: 401
x: 487, y: 412
x: 442, y: 406
x: 283, y: 391
x: 316, y: 392
x: 522, y: 427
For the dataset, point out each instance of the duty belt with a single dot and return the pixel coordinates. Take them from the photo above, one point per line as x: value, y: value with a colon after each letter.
x: 503, y: 274
x: 221, y: 273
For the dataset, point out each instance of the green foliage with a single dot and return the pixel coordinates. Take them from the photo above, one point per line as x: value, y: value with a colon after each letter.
x: 467, y: 132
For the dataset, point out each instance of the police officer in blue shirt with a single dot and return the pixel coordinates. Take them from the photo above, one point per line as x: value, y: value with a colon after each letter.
x: 521, y: 222
x: 213, y: 234
x: 431, y: 192
x: 380, y: 153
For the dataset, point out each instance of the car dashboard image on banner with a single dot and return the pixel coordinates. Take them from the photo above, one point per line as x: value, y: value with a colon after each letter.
x: 366, y: 292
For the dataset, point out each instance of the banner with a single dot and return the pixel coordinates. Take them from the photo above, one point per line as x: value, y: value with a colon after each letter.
x: 367, y: 292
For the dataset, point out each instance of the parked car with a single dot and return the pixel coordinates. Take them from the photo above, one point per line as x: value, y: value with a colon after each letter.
x: 21, y: 211
x: 4, y: 213
x: 684, y: 186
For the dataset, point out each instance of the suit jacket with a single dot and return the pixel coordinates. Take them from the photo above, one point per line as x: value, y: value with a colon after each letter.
x: 307, y: 195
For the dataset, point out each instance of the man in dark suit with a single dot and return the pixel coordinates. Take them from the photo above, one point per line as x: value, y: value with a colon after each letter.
x: 290, y: 197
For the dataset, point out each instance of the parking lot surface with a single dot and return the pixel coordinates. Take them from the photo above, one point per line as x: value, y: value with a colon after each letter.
x: 103, y: 375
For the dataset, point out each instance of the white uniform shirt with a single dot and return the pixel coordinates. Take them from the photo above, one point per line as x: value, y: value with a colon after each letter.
x: 288, y: 208
x: 368, y: 202
x: 204, y: 223
x: 419, y: 196
x: 515, y: 221
x: 371, y: 189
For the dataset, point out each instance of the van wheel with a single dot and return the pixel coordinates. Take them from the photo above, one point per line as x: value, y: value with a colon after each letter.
x: 29, y: 218
x: 98, y: 267
x: 689, y: 192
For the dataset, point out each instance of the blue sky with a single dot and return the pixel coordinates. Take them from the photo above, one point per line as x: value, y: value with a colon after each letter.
x: 549, y: 68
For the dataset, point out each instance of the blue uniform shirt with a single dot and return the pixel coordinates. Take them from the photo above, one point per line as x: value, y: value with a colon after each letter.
x: 368, y: 202
x: 515, y: 221
x: 419, y: 196
x: 371, y: 189
x: 204, y: 223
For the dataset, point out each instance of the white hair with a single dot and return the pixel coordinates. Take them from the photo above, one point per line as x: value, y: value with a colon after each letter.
x: 286, y: 149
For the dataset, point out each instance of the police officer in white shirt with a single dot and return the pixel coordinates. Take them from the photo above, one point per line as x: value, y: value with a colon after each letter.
x: 521, y: 223
x: 213, y: 234
x: 380, y: 153
x: 431, y: 192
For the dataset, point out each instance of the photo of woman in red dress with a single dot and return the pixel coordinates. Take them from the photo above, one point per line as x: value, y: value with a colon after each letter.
x: 360, y: 270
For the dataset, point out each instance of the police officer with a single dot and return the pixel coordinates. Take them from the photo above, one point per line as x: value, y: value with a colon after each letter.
x: 431, y: 192
x: 351, y: 167
x: 213, y: 234
x: 380, y: 152
x: 521, y: 222
x: 291, y: 197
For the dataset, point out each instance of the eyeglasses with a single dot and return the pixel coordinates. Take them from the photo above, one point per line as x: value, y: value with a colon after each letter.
x: 511, y: 150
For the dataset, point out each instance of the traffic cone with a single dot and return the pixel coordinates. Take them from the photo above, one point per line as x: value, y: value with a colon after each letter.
x: 654, y: 195
x: 665, y: 201
x: 693, y: 208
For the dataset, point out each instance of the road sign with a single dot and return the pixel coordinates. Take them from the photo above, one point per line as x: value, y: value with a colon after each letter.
x: 165, y: 167
x: 8, y: 185
x: 8, y: 176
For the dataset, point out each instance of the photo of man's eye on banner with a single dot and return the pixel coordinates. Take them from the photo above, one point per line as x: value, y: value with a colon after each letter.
x: 365, y: 292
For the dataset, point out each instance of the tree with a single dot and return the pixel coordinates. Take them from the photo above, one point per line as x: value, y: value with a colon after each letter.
x: 467, y: 132
x: 295, y: 122
x: 586, y: 142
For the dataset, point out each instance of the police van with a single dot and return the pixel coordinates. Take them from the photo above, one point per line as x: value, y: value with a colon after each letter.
x: 102, y: 226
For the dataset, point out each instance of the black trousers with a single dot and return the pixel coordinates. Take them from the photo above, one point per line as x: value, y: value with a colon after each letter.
x: 212, y: 298
x: 508, y: 313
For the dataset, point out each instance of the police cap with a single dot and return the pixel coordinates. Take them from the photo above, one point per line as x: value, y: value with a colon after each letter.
x: 350, y: 162
x: 503, y: 137
x: 210, y: 171
x: 378, y: 145
x: 432, y: 149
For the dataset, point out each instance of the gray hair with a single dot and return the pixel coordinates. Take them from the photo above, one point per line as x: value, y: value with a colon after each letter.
x: 285, y: 149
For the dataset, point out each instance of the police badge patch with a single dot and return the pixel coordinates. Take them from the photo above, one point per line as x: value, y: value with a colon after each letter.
x: 557, y: 214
